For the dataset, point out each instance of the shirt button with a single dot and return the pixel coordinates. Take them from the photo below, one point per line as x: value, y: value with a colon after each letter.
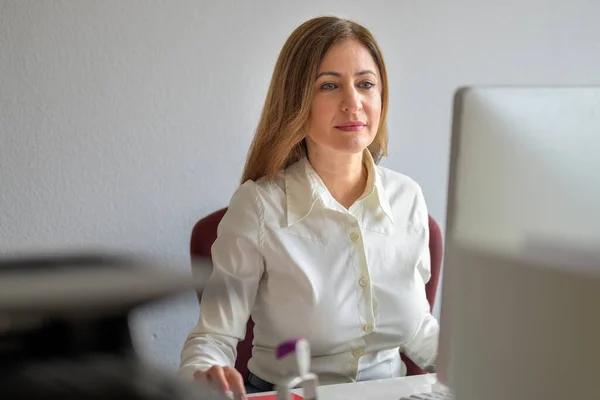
x: 354, y: 236
x: 357, y: 353
x: 363, y: 282
x: 369, y: 328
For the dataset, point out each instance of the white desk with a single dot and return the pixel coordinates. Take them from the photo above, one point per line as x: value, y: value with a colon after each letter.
x: 385, y: 389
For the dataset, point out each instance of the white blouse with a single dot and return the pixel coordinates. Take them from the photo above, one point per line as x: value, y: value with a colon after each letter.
x: 350, y: 281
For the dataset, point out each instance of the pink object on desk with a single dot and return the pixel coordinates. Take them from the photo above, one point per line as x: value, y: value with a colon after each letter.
x: 204, y: 234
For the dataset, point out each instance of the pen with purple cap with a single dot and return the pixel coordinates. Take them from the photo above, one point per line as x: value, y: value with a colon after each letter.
x: 293, y: 356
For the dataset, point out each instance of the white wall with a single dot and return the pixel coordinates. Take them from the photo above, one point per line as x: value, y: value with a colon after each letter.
x: 123, y: 122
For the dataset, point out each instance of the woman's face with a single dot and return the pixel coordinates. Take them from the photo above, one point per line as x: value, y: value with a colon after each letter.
x: 346, y: 107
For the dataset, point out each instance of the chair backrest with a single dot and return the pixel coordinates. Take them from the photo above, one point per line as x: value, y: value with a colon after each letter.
x: 204, y: 234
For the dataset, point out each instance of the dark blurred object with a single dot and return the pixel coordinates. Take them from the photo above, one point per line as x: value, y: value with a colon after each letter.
x: 64, y: 328
x: 204, y: 234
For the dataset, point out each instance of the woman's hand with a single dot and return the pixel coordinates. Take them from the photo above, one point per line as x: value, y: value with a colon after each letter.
x: 224, y: 379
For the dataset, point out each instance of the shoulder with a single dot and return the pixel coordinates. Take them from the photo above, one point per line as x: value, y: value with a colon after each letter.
x: 244, y: 215
x: 263, y: 190
x: 253, y: 197
x: 404, y: 195
x: 396, y: 182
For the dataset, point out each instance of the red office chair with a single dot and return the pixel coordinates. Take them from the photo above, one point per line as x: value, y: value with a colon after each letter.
x: 205, y: 233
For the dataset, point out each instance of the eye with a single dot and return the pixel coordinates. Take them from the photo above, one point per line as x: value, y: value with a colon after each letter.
x: 366, y: 85
x: 328, y: 86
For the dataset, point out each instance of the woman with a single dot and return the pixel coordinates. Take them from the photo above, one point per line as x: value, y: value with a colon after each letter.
x: 319, y: 242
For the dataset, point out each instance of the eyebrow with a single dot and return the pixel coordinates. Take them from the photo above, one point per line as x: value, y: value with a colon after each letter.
x: 338, y: 75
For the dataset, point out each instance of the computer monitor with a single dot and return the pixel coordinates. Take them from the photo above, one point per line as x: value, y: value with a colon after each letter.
x: 520, y: 312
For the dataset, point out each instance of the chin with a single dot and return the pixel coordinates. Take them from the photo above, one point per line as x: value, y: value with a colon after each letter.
x: 355, y: 145
x: 350, y: 150
x: 344, y: 144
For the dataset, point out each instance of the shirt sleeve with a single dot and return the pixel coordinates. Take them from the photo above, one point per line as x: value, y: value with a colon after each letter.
x: 423, y: 346
x: 230, y: 292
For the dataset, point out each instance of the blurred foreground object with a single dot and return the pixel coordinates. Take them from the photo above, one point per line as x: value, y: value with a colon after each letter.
x: 64, y: 328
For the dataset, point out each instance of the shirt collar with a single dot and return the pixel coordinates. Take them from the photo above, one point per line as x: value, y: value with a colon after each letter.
x: 304, y: 188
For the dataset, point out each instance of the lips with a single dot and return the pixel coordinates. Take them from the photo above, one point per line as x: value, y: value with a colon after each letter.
x: 351, y: 126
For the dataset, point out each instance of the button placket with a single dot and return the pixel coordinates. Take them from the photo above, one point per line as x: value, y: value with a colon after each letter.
x: 358, y: 353
x: 364, y: 283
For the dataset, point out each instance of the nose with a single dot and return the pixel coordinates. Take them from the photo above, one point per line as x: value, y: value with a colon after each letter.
x: 352, y: 101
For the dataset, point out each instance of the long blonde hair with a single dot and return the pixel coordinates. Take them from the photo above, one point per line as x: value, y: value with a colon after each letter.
x: 280, y: 135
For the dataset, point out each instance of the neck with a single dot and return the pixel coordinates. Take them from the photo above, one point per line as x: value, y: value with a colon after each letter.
x: 344, y: 175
